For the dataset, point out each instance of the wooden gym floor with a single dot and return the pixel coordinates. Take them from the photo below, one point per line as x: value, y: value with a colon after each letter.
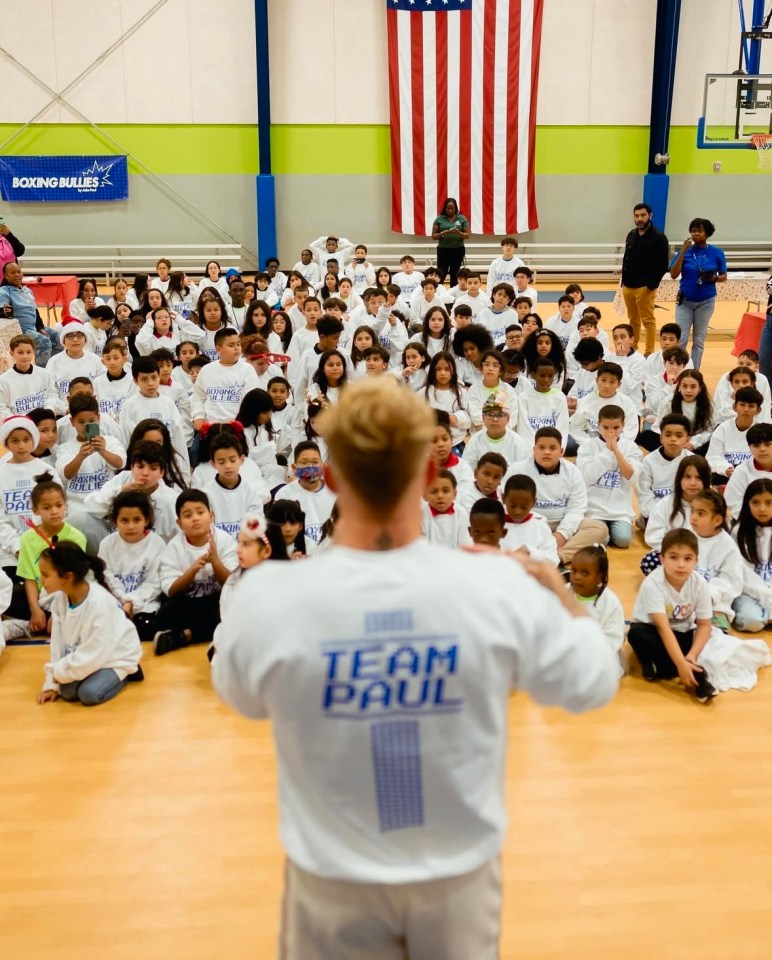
x: 148, y: 827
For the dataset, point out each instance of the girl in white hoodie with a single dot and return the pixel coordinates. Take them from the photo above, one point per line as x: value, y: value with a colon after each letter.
x: 719, y: 561
x: 95, y: 648
x: 753, y: 533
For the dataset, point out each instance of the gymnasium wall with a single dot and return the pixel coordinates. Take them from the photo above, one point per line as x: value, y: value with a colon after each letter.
x: 178, y: 94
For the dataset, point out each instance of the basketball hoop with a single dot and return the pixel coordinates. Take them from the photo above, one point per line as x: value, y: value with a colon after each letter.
x: 763, y: 144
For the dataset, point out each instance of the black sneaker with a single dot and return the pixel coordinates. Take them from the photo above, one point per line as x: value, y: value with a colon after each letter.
x: 705, y: 690
x: 137, y: 677
x: 167, y: 640
x: 649, y: 672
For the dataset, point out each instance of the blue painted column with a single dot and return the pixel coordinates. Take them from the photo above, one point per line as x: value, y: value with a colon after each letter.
x: 266, y: 189
x: 754, y: 47
x: 656, y: 183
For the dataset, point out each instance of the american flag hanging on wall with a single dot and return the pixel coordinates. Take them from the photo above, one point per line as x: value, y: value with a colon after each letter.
x: 463, y: 77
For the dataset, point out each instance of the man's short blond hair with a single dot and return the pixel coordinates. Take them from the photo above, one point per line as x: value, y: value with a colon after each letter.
x: 378, y: 436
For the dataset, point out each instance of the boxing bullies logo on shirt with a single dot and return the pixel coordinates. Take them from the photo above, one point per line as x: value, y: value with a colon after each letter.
x: 392, y: 671
x: 63, y: 179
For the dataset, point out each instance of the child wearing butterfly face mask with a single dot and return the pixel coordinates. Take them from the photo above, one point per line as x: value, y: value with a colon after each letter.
x: 309, y: 489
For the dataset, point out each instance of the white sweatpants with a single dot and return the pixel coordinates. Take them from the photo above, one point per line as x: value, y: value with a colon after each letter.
x: 451, y: 919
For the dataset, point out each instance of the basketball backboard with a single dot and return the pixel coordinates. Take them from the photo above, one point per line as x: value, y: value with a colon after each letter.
x: 734, y: 108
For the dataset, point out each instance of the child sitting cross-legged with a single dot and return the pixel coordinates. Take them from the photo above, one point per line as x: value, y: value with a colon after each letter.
x: 442, y: 521
x: 672, y: 618
x: 525, y: 530
x: 32, y: 610
x: 94, y: 650
x: 719, y: 561
x: 609, y: 464
x: 674, y: 510
x: 132, y: 558
x: 194, y: 566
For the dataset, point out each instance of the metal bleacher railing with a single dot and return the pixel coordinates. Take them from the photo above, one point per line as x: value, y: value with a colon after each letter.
x: 558, y: 261
x: 107, y: 263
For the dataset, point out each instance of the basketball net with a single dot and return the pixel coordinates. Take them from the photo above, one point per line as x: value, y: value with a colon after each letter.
x: 763, y: 144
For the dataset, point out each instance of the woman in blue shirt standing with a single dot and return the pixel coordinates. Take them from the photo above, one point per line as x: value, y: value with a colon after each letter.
x: 700, y: 267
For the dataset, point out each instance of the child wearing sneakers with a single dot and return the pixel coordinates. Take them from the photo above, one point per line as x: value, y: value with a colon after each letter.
x: 671, y: 618
x: 609, y: 464
x: 443, y: 522
x: 194, y: 566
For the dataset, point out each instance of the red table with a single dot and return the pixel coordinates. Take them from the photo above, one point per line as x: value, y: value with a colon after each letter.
x: 53, y: 290
x: 748, y: 334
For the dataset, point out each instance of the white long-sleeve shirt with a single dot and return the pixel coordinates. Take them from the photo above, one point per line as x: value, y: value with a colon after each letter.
x: 362, y: 275
x: 422, y: 702
x: 22, y: 392
x: 451, y: 529
x: 496, y: 323
x: 510, y: 446
x: 561, y: 497
x: 746, y: 473
x: 408, y: 283
x: 562, y: 328
x: 757, y: 578
x: 230, y: 506
x: 477, y: 304
x: 723, y: 399
x: 94, y: 635
x: 479, y: 393
x: 181, y: 329
x: 720, y: 563
x: 728, y: 447
x: 455, y: 406
x: 316, y: 505
x: 536, y: 410
x: 535, y: 535
x: 16, y: 483
x: 113, y: 393
x: 660, y: 522
x: 607, y: 612
x: 420, y: 306
x: 656, y: 479
x: 133, y: 570
x: 99, y: 503
x: 609, y: 494
x: 633, y: 377
x: 502, y: 271
x: 584, y: 420
x: 343, y: 254
x: 93, y: 473
x: 179, y: 555
x: 219, y: 390
x: 62, y: 369
x: 138, y: 408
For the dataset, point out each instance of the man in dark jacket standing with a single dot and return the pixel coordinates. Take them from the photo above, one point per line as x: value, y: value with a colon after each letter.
x: 645, y: 261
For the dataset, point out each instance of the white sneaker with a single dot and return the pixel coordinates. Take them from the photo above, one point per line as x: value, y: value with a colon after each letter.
x: 15, y: 629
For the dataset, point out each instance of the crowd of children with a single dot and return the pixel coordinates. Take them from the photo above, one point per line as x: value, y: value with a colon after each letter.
x: 175, y: 441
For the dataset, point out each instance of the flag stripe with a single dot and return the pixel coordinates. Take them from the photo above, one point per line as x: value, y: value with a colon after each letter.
x: 463, y: 87
x: 417, y: 83
x: 396, y: 144
x: 441, y: 100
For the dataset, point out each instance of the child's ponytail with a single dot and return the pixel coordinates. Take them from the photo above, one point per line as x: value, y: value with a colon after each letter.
x: 67, y: 557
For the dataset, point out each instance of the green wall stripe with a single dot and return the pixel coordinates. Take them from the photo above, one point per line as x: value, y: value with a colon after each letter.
x: 347, y: 149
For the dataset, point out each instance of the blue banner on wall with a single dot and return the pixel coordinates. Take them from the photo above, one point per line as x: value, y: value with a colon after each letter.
x: 63, y: 179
